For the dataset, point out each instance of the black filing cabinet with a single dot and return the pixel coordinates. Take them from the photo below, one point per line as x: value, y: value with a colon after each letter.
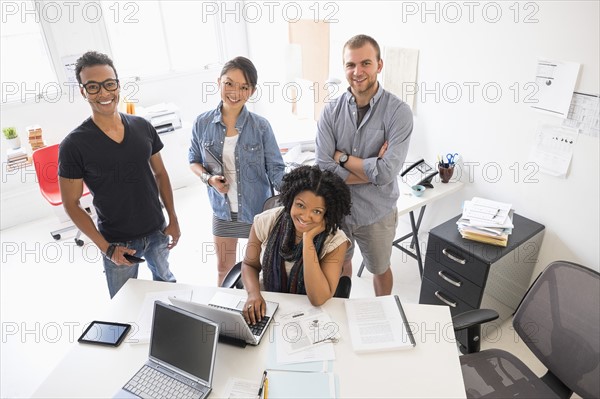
x: 466, y: 275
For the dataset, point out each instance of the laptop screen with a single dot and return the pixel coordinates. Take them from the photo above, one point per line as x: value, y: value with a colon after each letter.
x: 183, y: 340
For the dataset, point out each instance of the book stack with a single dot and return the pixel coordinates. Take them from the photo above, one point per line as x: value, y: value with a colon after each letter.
x: 16, y: 158
x: 35, y: 137
x: 486, y: 221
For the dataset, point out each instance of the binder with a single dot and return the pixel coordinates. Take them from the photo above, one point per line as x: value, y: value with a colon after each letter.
x: 298, y: 384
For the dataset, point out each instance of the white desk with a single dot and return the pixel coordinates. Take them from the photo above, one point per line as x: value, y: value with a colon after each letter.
x: 408, y: 204
x: 429, y: 370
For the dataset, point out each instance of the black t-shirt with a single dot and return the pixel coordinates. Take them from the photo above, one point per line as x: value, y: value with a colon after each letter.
x: 118, y: 176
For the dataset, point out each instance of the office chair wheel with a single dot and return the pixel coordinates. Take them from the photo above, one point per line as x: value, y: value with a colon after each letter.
x: 56, y: 236
x: 79, y: 242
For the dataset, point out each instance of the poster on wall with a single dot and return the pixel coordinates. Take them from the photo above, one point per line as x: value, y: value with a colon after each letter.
x: 556, y: 83
x: 584, y: 114
x: 553, y: 149
x: 68, y: 63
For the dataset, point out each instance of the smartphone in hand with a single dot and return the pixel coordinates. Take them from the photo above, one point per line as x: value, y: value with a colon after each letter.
x: 133, y: 259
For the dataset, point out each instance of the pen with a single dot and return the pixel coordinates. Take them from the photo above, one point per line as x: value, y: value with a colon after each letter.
x: 262, y: 384
x: 266, y: 390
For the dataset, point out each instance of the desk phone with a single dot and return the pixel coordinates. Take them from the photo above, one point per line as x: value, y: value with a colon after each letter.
x: 419, y: 173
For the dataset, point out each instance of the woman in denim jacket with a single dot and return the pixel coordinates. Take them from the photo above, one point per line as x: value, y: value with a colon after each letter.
x: 234, y: 152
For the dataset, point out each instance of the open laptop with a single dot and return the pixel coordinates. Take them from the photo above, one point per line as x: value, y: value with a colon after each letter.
x: 182, y: 356
x: 226, y: 310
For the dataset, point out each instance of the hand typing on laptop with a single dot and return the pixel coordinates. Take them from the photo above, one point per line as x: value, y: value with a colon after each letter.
x: 254, y: 309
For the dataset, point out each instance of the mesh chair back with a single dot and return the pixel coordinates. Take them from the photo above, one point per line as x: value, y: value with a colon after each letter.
x: 559, y: 321
x: 271, y: 202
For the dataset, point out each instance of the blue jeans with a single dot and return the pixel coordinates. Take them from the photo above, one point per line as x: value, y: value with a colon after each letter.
x: 154, y: 249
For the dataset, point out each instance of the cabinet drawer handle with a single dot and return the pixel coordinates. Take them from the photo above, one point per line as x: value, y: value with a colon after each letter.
x: 446, y: 301
x: 453, y: 257
x: 450, y: 280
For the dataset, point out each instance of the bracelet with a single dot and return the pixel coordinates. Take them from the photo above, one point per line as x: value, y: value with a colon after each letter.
x: 110, y: 251
x: 205, y: 177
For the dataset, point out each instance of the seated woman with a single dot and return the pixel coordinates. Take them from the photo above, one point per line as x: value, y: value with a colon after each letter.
x: 285, y: 241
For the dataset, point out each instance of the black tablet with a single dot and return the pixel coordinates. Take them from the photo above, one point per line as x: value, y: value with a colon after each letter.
x: 104, y: 333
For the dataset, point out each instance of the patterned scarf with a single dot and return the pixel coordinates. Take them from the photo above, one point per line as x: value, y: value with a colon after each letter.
x: 281, y: 248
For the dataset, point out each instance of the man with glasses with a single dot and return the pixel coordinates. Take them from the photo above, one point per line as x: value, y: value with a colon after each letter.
x: 117, y: 156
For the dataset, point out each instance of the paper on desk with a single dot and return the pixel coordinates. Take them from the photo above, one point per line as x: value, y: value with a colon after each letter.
x: 302, y: 365
x: 144, y: 320
x: 302, y: 336
x: 484, y: 210
x: 377, y: 324
x: 238, y: 388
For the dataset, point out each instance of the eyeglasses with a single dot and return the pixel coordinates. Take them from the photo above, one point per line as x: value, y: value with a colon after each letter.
x: 94, y: 87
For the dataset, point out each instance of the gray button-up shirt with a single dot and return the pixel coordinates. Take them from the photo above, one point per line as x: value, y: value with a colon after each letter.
x: 388, y: 119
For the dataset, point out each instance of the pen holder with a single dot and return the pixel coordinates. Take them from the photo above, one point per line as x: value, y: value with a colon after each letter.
x: 446, y: 172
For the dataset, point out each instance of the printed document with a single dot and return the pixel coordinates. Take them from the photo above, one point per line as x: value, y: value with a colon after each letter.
x: 378, y: 324
x: 305, y: 336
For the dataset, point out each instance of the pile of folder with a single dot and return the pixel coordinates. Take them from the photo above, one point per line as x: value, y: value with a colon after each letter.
x: 486, y: 221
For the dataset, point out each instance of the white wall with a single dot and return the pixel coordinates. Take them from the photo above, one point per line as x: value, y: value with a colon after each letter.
x: 61, y: 113
x: 476, y: 51
x: 481, y: 52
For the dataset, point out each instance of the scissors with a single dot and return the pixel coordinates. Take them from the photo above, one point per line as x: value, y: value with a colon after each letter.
x: 451, y: 158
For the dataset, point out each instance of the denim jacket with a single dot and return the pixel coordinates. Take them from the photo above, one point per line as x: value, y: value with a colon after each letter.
x: 258, y: 161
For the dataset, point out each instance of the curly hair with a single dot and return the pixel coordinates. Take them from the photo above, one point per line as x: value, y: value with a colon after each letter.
x: 90, y: 59
x: 322, y: 183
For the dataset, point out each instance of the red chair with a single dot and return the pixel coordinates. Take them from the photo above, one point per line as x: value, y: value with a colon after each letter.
x: 45, y: 161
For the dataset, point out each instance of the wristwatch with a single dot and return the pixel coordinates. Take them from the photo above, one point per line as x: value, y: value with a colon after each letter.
x: 343, y: 159
x: 205, y: 177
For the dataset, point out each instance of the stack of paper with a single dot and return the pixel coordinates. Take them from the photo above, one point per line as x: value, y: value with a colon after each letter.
x: 486, y: 221
x: 16, y: 158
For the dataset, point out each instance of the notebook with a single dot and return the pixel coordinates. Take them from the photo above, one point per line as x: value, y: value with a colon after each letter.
x: 212, y: 163
x: 182, y: 356
x: 226, y: 310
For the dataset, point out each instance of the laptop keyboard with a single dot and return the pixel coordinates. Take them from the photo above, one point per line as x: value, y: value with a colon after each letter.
x: 257, y: 328
x: 151, y: 383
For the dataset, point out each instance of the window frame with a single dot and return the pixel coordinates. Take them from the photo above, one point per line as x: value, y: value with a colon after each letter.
x: 56, y: 53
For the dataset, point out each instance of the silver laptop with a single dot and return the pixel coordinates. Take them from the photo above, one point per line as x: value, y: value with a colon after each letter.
x: 181, y: 362
x: 226, y: 310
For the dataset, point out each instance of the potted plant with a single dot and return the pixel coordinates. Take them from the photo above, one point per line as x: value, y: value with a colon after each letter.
x: 12, y: 138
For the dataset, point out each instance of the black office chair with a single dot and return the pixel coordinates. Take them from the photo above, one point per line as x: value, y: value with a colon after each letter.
x: 234, y: 280
x: 559, y: 320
